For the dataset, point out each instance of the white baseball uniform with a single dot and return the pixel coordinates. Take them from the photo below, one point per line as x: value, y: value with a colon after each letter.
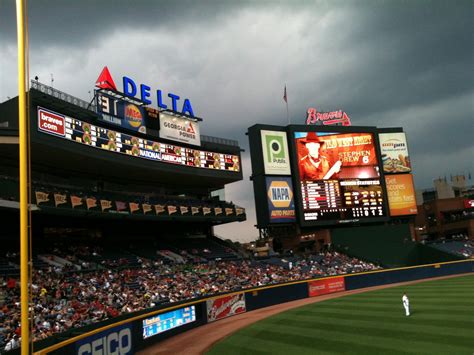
x: 406, y: 304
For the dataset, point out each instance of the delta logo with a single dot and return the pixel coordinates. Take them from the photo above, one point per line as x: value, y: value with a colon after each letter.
x: 280, y: 194
x: 144, y: 93
x: 394, y: 144
x: 133, y: 115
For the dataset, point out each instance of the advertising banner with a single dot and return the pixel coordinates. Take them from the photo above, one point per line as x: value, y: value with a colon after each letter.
x: 394, y: 150
x: 468, y: 203
x: 276, y: 159
x: 401, y: 194
x: 121, y: 113
x: 116, y: 340
x: 281, y: 204
x: 326, y: 286
x: 50, y: 122
x: 179, y: 129
x: 223, y: 307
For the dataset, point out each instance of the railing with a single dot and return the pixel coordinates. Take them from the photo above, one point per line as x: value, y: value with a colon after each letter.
x: 62, y: 96
x: 91, y: 107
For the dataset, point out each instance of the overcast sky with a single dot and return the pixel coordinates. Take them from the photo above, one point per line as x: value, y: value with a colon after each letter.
x: 386, y: 63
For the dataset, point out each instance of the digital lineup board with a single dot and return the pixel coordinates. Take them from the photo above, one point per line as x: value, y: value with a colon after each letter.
x: 166, y: 321
x: 339, y: 177
x: 85, y: 133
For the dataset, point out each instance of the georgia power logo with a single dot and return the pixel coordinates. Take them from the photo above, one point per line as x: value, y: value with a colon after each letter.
x: 280, y: 194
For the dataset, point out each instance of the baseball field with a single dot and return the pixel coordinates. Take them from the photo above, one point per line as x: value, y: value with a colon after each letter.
x: 441, y: 322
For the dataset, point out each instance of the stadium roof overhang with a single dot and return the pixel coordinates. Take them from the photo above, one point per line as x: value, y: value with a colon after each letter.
x: 66, y: 159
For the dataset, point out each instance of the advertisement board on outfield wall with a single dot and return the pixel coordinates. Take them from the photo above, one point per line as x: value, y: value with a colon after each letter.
x: 223, y: 307
x: 281, y: 202
x: 179, y: 129
x: 117, y: 340
x: 326, y: 286
x: 276, y: 159
x: 401, y: 194
x: 394, y: 151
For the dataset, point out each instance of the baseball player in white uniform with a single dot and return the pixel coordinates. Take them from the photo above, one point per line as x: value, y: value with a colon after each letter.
x: 406, y: 304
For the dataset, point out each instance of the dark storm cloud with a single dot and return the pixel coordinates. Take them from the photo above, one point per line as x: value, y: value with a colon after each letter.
x: 82, y: 23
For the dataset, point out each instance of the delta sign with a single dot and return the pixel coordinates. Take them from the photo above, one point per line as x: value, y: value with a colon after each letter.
x: 143, y: 92
x: 281, y: 205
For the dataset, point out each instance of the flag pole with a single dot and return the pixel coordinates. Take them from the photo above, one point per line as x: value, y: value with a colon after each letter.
x: 23, y: 154
x: 285, y: 97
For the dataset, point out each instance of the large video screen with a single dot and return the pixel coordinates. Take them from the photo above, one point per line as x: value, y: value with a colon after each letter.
x: 106, y: 139
x: 167, y: 321
x: 339, y: 178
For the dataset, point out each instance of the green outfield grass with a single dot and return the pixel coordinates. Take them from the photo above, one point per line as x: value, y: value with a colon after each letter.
x: 442, y: 322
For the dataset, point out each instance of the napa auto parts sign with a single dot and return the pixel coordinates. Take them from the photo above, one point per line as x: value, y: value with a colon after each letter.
x: 179, y: 129
x: 281, y: 204
x: 333, y: 118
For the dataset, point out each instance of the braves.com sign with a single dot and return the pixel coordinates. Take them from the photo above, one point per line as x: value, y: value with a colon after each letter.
x: 179, y: 129
x: 224, y: 307
x: 50, y: 122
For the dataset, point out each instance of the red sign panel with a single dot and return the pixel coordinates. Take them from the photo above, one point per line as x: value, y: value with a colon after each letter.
x: 224, y: 307
x: 468, y: 203
x: 327, y: 118
x: 326, y: 286
x: 50, y: 122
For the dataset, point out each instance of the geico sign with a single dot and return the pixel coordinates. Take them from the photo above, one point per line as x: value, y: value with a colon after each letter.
x: 280, y: 194
x: 50, y: 122
x: 116, y: 343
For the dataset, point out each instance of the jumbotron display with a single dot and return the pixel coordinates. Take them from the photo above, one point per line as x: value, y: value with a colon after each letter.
x: 167, y: 321
x: 339, y: 177
x: 103, y: 138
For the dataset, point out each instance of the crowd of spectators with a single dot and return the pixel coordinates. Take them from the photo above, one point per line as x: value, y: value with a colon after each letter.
x: 67, y: 298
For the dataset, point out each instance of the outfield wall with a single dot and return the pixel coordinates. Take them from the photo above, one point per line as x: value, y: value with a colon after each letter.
x: 126, y: 335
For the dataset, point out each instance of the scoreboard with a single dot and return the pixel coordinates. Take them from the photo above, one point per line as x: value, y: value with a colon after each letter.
x: 346, y: 200
x: 166, y: 321
x: 337, y: 177
x: 77, y: 131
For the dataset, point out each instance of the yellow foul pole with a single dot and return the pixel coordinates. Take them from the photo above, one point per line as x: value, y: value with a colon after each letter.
x: 23, y: 135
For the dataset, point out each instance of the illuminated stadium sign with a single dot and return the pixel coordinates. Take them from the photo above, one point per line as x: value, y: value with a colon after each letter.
x: 131, y: 89
x: 166, y: 321
x: 276, y: 159
x: 120, y: 113
x: 394, y: 150
x: 281, y: 205
x: 85, y: 133
x: 337, y: 118
x: 179, y: 129
x: 401, y: 194
x: 338, y: 177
